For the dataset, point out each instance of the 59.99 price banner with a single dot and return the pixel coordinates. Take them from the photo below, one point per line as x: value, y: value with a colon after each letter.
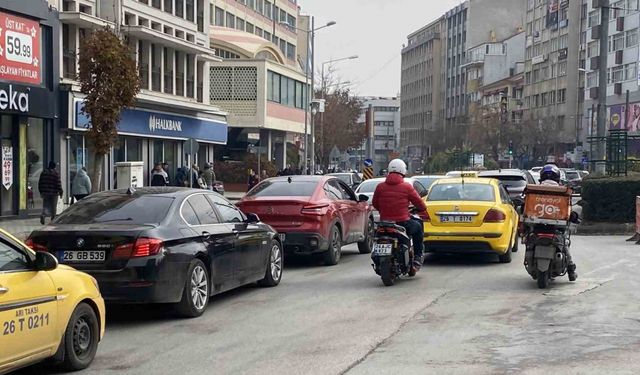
x: 19, y: 49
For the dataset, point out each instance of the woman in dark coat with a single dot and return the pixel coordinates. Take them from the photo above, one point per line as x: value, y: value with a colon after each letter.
x: 50, y: 188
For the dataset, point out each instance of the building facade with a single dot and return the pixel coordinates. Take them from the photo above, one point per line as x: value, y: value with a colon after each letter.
x: 553, y: 79
x: 29, y: 110
x: 386, y: 133
x: 421, y: 97
x: 622, y: 70
x: 169, y: 40
x: 261, y: 82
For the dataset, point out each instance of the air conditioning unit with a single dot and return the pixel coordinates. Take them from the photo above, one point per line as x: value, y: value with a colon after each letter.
x: 593, y: 93
x: 595, y: 32
x: 595, y: 61
x: 620, y: 24
x: 617, y: 88
x: 619, y: 55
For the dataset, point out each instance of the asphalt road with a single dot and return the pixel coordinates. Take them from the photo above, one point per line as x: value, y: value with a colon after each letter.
x: 460, y: 315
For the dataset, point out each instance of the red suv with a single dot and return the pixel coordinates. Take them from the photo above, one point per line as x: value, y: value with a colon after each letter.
x: 313, y: 214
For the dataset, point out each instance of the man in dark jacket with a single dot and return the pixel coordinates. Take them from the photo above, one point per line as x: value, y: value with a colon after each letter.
x: 50, y: 188
x: 392, y: 198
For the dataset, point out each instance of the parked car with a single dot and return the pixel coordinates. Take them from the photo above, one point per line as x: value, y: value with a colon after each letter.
x: 574, y: 180
x: 514, y: 180
x: 313, y: 214
x: 164, y: 245
x: 352, y: 179
x: 47, y: 311
x: 368, y: 187
x: 472, y: 215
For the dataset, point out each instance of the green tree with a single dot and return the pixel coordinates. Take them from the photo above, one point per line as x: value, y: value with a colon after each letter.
x: 110, y: 82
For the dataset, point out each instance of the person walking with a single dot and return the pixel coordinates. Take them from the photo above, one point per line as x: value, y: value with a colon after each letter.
x: 264, y: 175
x: 81, y: 184
x: 50, y: 188
x: 159, y: 176
x: 253, y: 179
x: 209, y: 176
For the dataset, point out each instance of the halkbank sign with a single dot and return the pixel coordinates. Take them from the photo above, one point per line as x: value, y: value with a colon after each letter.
x: 156, y: 124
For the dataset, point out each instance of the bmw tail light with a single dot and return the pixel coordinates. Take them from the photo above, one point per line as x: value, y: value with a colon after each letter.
x: 494, y: 216
x: 35, y: 246
x: 317, y: 210
x: 143, y: 247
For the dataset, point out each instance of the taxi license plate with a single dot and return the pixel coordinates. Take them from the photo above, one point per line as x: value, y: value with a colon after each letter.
x: 382, y: 249
x: 85, y: 256
x: 456, y: 219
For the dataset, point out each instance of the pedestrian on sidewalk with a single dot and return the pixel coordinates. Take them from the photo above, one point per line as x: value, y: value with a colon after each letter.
x: 159, y: 176
x: 253, y: 179
x: 209, y: 176
x: 50, y: 188
x: 81, y: 185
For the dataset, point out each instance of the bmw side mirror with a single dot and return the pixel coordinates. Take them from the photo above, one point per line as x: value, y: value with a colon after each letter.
x: 45, y: 261
x: 252, y: 218
x: 363, y: 198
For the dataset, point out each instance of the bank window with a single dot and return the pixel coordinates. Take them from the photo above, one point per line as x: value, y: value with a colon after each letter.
x: 127, y: 149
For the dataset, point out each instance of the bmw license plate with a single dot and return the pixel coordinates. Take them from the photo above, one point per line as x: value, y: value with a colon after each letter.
x: 382, y: 249
x: 85, y: 256
x: 456, y: 219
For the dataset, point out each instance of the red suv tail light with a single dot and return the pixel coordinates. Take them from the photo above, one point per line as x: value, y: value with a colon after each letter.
x: 35, y: 246
x: 143, y: 247
x: 494, y: 216
x: 317, y: 209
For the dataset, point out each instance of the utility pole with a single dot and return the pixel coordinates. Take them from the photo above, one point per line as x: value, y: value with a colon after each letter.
x: 312, y: 152
x: 601, y: 128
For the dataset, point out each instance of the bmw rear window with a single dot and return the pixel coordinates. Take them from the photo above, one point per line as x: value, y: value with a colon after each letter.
x: 283, y: 189
x: 117, y: 209
x: 462, y: 192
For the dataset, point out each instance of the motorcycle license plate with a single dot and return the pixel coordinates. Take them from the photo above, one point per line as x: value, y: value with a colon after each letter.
x: 382, y: 249
x: 456, y: 219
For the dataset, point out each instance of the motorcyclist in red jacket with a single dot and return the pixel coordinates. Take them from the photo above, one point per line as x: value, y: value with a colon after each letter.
x: 392, y: 199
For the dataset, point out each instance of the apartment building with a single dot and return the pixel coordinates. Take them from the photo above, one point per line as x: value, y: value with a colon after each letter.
x: 260, y: 81
x: 169, y: 40
x: 386, y: 132
x: 421, y: 90
x: 554, y: 57
x: 495, y: 79
x: 622, y: 68
x: 468, y: 25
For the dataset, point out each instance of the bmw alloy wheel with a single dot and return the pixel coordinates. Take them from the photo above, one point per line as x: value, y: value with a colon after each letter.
x: 199, y: 287
x: 276, y: 262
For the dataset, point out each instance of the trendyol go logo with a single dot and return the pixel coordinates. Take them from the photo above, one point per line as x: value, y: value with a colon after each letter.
x: 14, y: 100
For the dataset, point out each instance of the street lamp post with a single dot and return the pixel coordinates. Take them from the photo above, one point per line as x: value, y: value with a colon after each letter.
x: 311, y: 37
x: 323, y: 92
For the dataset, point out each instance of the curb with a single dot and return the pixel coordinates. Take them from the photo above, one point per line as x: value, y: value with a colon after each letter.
x: 605, y: 229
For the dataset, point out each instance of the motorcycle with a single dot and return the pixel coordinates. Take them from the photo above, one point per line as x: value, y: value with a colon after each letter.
x: 391, y: 257
x: 545, y: 230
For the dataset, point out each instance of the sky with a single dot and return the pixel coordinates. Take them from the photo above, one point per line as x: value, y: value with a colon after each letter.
x: 375, y: 30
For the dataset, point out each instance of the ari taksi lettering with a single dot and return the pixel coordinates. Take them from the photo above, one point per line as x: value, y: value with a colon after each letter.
x: 158, y: 123
x: 14, y: 100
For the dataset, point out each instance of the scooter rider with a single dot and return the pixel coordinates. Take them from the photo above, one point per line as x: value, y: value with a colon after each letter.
x: 550, y: 176
x: 392, y: 199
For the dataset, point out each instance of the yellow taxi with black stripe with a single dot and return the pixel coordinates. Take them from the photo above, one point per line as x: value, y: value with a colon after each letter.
x: 471, y: 215
x: 46, y: 310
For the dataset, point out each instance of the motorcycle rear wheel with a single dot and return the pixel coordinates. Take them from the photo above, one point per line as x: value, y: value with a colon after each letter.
x: 386, y: 273
x: 543, y: 279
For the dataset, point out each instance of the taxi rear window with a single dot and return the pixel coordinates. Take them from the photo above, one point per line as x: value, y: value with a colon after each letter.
x: 462, y: 192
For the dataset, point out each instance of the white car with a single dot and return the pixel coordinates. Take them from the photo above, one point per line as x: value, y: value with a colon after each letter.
x: 368, y: 187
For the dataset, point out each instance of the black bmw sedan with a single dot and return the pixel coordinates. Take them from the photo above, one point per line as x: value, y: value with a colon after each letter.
x: 163, y: 245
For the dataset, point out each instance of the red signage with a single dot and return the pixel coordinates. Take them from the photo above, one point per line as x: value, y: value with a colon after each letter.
x: 20, y: 57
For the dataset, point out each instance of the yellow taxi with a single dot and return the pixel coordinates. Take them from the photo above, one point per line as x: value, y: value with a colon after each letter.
x: 471, y: 215
x: 46, y: 310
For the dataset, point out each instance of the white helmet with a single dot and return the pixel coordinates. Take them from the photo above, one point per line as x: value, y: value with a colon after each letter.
x: 397, y: 166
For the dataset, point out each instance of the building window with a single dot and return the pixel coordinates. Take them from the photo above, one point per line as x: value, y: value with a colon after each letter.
x: 286, y: 91
x: 268, y: 10
x: 630, y: 72
x: 562, y: 95
x: 231, y: 21
x: 562, y: 68
x: 616, y: 42
x: 291, y: 51
x: 593, y: 49
x: 240, y: 24
x: 250, y: 28
x: 592, y: 79
x: 219, y: 17
x: 632, y: 37
x: 594, y: 18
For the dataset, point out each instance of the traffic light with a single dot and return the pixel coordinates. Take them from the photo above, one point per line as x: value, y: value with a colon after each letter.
x: 510, y: 148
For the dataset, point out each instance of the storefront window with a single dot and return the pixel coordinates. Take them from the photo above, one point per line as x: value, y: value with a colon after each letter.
x: 35, y: 161
x: 165, y: 152
x: 7, y: 199
x: 134, y: 149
